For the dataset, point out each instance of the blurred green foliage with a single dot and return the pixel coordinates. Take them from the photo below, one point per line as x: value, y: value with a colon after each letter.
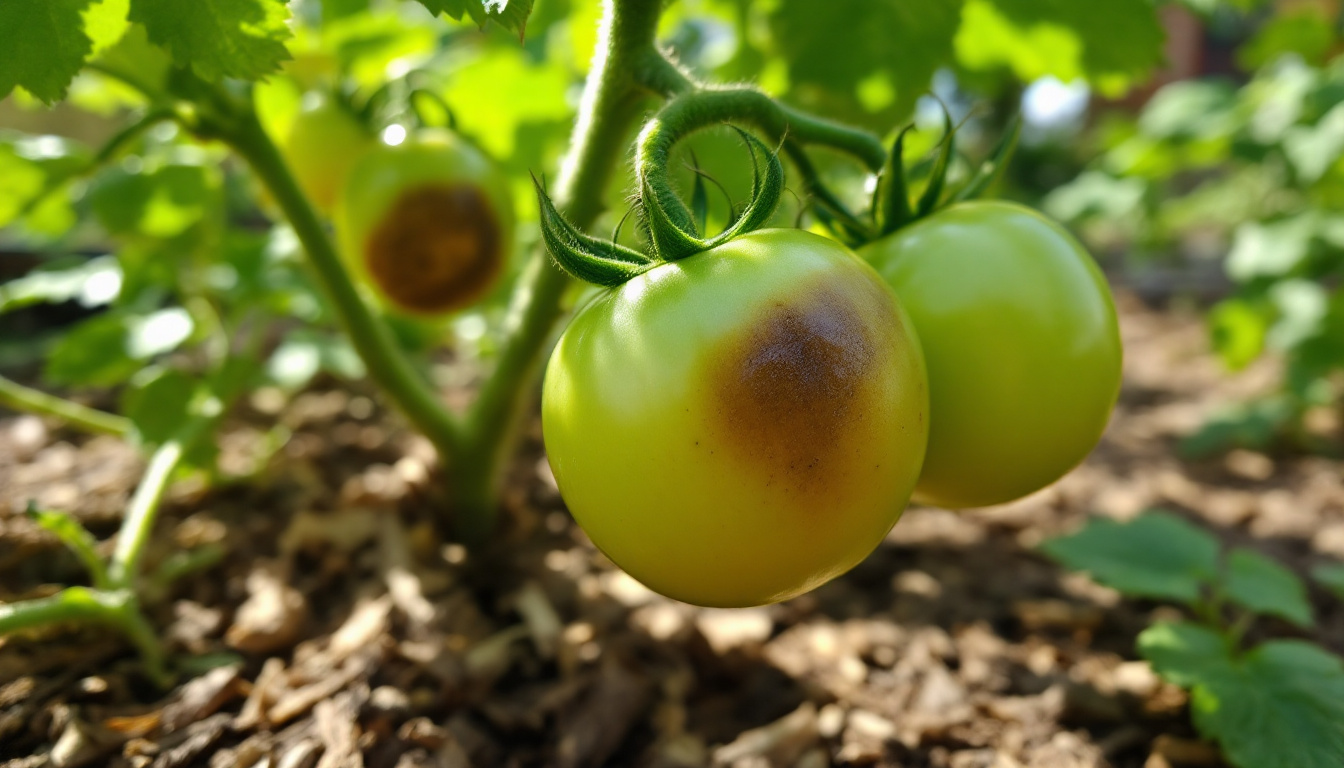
x: 1251, y: 169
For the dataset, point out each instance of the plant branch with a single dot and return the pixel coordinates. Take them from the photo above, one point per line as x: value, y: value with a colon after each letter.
x: 116, y: 608
x: 20, y: 398
x: 607, y: 113
x: 144, y: 505
x: 389, y: 369
x: 701, y: 108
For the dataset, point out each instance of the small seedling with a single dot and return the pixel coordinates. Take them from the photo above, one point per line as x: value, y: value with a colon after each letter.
x: 1279, y: 704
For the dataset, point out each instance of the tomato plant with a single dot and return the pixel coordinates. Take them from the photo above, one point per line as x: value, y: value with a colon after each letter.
x: 1022, y: 343
x: 741, y: 425
x: 427, y: 223
x: 323, y: 143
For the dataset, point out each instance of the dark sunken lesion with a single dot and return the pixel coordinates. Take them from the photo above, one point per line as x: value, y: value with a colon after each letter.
x: 437, y: 249
x: 792, y: 395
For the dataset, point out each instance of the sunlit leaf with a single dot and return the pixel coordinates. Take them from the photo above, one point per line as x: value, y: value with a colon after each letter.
x: 1066, y: 39
x: 92, y: 283
x: 1238, y: 329
x: 1270, y: 249
x: 161, y: 203
x: 510, y: 14
x: 219, y: 38
x: 304, y: 354
x: 837, y: 45
x: 158, y: 332
x: 1315, y: 149
x: 43, y: 44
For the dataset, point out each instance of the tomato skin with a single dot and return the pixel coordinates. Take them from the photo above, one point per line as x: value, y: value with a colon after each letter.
x: 1023, y: 347
x: 427, y: 224
x: 323, y: 143
x: 740, y: 426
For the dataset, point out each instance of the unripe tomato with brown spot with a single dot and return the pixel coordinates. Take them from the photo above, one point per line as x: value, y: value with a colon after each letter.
x: 426, y: 225
x: 742, y: 425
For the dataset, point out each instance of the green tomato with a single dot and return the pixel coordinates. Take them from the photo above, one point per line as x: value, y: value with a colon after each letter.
x: 1022, y: 343
x: 427, y: 224
x: 740, y: 426
x: 324, y: 141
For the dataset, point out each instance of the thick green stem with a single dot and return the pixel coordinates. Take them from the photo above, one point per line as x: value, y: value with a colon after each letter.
x: 20, y: 398
x: 389, y: 369
x: 610, y: 105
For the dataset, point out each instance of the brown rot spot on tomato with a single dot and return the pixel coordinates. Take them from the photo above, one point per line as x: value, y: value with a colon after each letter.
x: 793, y: 393
x: 437, y: 249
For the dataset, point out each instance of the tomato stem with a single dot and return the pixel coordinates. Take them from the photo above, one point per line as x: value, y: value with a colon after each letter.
x: 386, y: 365
x: 117, y: 608
x: 20, y: 398
x: 144, y: 505
x: 610, y: 106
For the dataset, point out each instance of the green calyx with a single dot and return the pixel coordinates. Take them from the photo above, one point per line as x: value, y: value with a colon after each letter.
x: 892, y: 204
x: 669, y: 224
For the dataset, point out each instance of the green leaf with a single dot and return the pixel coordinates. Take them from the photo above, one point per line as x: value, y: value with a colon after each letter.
x: 1303, y: 306
x: 1156, y: 555
x: 93, y: 283
x: 74, y: 536
x: 1183, y: 653
x: 158, y: 401
x: 1314, y: 150
x: 1254, y: 426
x: 1261, y: 585
x: 1270, y: 249
x: 219, y: 38
x: 1238, y: 328
x: 92, y: 354
x: 1305, y: 32
x: 840, y: 44
x: 304, y: 353
x: 108, y: 349
x: 105, y: 22
x: 162, y: 203
x: 21, y: 180
x: 510, y: 14
x: 43, y: 44
x: 1190, y: 109
x: 1280, y: 705
x: 1332, y: 577
x: 1064, y: 38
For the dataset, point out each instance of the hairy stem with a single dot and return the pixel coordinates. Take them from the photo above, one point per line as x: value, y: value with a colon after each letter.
x: 20, y: 398
x: 701, y: 108
x: 388, y: 368
x: 607, y: 113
